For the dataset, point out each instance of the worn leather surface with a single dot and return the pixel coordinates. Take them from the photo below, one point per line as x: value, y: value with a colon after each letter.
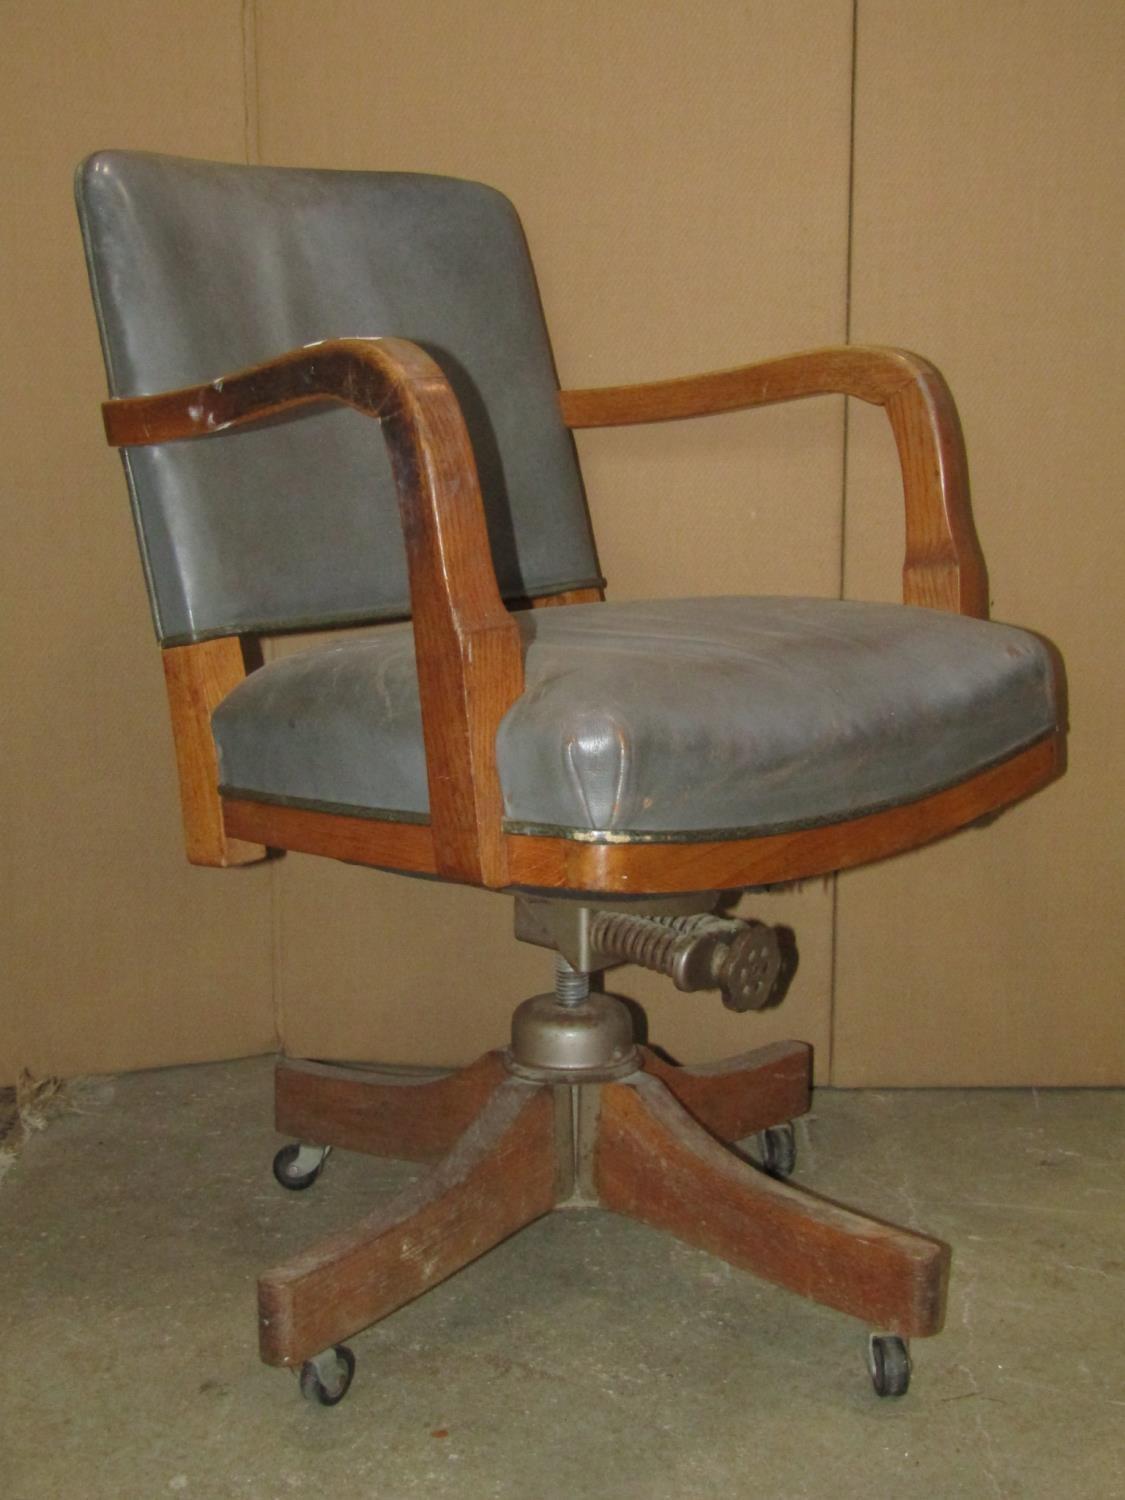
x: 664, y: 719
x: 200, y: 269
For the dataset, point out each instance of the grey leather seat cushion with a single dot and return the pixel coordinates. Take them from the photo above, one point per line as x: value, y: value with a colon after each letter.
x: 665, y: 719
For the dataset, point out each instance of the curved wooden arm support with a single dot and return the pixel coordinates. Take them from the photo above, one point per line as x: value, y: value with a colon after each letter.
x: 470, y: 663
x: 944, y: 567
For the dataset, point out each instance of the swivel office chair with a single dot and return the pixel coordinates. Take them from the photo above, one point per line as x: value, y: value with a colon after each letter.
x: 615, y: 767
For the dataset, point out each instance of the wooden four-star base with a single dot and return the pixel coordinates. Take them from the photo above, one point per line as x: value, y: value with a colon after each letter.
x: 653, y: 1145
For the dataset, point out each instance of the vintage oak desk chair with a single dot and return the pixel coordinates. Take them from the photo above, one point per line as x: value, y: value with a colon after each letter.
x: 613, y: 766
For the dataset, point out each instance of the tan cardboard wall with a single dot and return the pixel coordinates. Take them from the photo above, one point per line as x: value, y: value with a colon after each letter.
x: 683, y: 174
x: 116, y: 953
x: 988, y: 231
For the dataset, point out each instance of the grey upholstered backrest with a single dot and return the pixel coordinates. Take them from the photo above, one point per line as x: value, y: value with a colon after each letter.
x: 201, y: 268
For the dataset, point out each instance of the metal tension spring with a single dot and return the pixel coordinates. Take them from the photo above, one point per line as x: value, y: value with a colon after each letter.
x: 742, y: 959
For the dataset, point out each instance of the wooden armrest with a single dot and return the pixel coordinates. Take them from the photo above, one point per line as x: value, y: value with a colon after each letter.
x: 470, y: 662
x: 944, y: 567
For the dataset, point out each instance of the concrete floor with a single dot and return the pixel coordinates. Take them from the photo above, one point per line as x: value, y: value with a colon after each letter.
x: 585, y: 1357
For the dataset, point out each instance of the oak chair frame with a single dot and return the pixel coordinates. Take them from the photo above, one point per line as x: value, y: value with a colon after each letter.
x: 468, y: 643
x: 649, y: 1143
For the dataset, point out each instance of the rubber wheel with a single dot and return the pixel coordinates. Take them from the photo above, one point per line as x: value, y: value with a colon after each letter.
x: 778, y: 1149
x: 295, y: 1182
x: 312, y: 1385
x: 889, y: 1363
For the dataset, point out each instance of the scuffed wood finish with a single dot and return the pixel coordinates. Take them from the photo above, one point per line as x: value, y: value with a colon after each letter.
x: 499, y: 1177
x: 198, y: 678
x: 734, y: 1098
x: 470, y: 662
x: 656, y: 869
x: 944, y: 566
x: 644, y: 1146
x: 408, y: 847
x: 868, y: 373
x: 567, y: 596
x: 408, y: 1114
x: 656, y: 1164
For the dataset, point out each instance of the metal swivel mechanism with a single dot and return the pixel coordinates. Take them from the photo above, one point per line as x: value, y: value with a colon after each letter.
x: 575, y: 1035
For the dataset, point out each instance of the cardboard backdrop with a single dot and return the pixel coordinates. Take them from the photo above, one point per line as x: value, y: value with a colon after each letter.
x: 701, y: 185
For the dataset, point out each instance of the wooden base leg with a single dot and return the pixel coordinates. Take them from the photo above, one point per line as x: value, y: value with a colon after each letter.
x: 655, y: 1163
x: 412, y: 1114
x: 744, y: 1094
x: 499, y: 1176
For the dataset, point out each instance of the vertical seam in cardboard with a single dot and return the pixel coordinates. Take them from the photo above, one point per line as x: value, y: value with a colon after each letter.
x: 252, y: 151
x: 251, y: 132
x: 848, y: 253
x: 834, y: 916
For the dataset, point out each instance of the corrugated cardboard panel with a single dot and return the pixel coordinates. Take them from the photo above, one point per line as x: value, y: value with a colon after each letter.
x: 987, y: 234
x: 118, y: 955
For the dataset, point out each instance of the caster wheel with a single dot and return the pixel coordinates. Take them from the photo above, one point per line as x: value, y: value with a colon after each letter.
x: 777, y: 1150
x: 888, y: 1360
x: 297, y: 1167
x: 326, y: 1378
